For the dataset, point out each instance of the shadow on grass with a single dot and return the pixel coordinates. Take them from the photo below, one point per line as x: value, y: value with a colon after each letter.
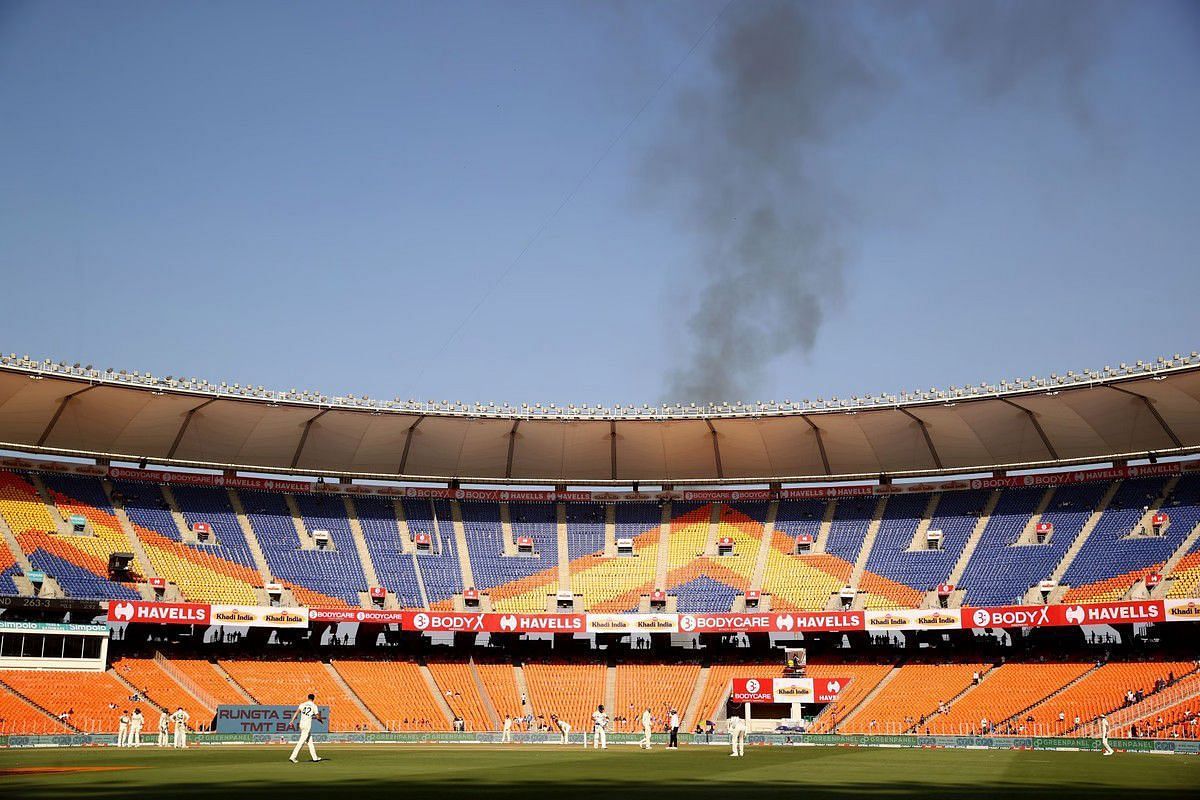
x: 369, y: 789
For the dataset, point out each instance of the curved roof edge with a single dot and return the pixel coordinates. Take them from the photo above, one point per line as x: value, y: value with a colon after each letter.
x: 1087, y: 418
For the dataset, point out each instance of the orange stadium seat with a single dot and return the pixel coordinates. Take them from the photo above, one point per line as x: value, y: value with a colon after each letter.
x: 163, y: 690
x: 499, y: 680
x: 1005, y: 691
x: 396, y: 693
x: 18, y: 717
x: 914, y: 692
x: 96, y: 699
x: 288, y: 683
x: 458, y: 686
x: 1099, y: 692
x: 863, y: 679
x: 570, y: 691
x: 205, y: 675
x: 659, y: 687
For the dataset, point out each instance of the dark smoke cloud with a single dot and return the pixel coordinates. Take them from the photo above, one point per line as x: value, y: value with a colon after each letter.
x: 741, y: 160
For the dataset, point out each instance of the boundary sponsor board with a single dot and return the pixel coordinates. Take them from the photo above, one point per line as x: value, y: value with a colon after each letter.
x: 264, y: 720
x: 786, y: 690
x: 785, y: 622
x: 259, y: 616
x: 159, y: 613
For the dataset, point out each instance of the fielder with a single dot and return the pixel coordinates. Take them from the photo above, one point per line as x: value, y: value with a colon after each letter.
x: 647, y: 725
x: 180, y: 718
x: 123, y: 730
x: 307, y: 712
x: 1108, y: 751
x: 164, y: 725
x: 135, y: 728
x: 737, y: 736
x: 506, y: 734
x: 565, y: 727
x: 599, y: 734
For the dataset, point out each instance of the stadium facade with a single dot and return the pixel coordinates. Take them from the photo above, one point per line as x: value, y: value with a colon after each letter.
x: 928, y: 550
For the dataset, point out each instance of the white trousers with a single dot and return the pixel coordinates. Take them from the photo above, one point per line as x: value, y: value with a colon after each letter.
x: 506, y: 736
x: 180, y: 737
x: 645, y: 738
x: 1107, y: 748
x: 135, y: 736
x: 305, y: 738
x: 566, y: 733
x: 122, y: 736
x: 162, y: 737
x: 599, y: 737
x: 737, y: 742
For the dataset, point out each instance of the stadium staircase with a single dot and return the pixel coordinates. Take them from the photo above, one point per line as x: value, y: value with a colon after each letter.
x: 406, y: 542
x: 1185, y: 547
x: 171, y: 592
x: 610, y: 689
x: 564, y: 553
x: 848, y: 713
x: 437, y: 694
x: 303, y: 534
x: 764, y: 547
x: 360, y: 544
x: 1025, y: 711
x: 523, y: 689
x: 1034, y: 594
x: 51, y: 718
x: 826, y: 526
x: 260, y: 560
x: 610, y: 531
x: 1029, y: 532
x: 864, y: 553
x: 121, y: 679
x: 460, y: 544
x: 351, y: 695
x: 13, y: 546
x: 920, y: 534
x: 420, y: 581
x: 61, y: 524
x: 1185, y: 689
x: 488, y: 705
x: 966, y: 690
x: 662, y: 564
x: 960, y: 566
x: 714, y: 529
x: 508, y: 545
x: 233, y: 684
x: 187, y: 684
x: 176, y: 510
x: 693, y: 707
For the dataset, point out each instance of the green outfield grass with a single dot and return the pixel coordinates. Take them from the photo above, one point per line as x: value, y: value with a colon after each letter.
x: 446, y: 772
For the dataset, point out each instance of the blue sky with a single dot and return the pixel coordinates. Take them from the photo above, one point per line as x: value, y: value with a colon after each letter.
x: 317, y: 196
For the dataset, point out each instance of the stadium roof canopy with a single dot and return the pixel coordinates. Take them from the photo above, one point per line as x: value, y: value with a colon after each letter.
x: 1088, y: 418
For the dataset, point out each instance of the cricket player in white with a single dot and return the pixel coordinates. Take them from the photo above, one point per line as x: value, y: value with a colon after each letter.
x: 599, y: 724
x: 164, y: 725
x: 647, y: 724
x: 307, y: 712
x: 737, y: 736
x: 180, y: 718
x: 1108, y: 751
x: 135, y: 728
x: 506, y: 735
x: 123, y: 730
x: 565, y: 727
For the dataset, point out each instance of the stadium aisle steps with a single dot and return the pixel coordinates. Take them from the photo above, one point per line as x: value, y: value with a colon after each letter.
x: 864, y: 680
x: 1008, y: 690
x: 570, y: 691
x: 262, y: 679
x: 455, y: 681
x: 352, y: 696
x: 96, y: 699
x: 914, y: 692
x: 502, y: 687
x: 19, y: 715
x: 659, y: 687
x: 395, y: 692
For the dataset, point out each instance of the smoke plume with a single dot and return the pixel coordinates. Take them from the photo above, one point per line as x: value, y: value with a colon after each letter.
x: 742, y: 159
